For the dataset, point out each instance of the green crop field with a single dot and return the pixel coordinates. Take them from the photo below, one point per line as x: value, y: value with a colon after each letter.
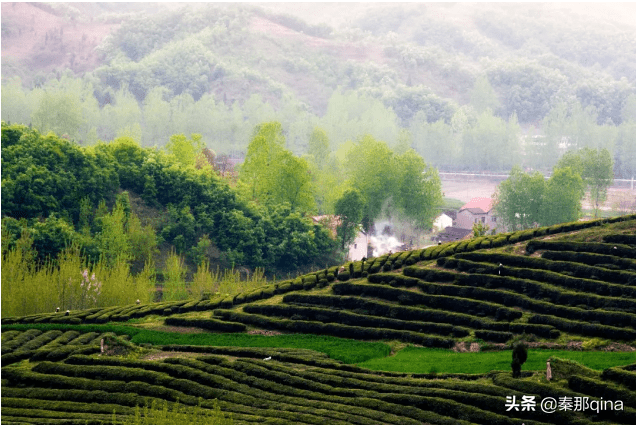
x: 428, y: 360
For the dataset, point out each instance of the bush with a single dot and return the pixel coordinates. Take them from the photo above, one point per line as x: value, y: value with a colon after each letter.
x: 617, y: 250
x: 620, y: 376
x: 343, y: 276
x: 600, y: 389
x: 519, y: 355
x: 210, y: 324
x: 584, y: 328
x: 493, y: 336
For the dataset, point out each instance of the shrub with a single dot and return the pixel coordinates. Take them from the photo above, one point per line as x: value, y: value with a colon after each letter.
x: 620, y: 376
x: 519, y: 355
x: 343, y: 276
x: 210, y: 324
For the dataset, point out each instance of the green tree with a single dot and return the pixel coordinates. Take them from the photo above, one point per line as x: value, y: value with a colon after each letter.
x: 185, y: 150
x: 156, y: 116
x: 436, y: 142
x: 490, y: 144
x: 562, y: 197
x: 596, y: 169
x: 319, y: 147
x: 349, y: 209
x: 518, y: 199
x: 112, y: 240
x: 483, y: 96
x: 370, y: 171
x: 598, y: 175
x: 271, y: 174
x: 59, y: 112
x: 16, y: 107
x: 418, y: 190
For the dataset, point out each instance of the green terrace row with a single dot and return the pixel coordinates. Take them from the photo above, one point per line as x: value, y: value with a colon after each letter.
x: 335, y: 329
x: 521, y: 267
x: 382, y: 309
x: 498, y: 311
x: 496, y: 277
x: 508, y: 298
x: 611, y: 249
x: 323, y: 277
x: 279, y: 392
x: 441, y: 327
x: 568, y: 268
x: 52, y: 345
x: 487, y: 300
x: 236, y: 390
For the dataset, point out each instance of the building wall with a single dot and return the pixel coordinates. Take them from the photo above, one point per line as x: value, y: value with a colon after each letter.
x: 358, y: 249
x: 442, y: 221
x: 466, y: 220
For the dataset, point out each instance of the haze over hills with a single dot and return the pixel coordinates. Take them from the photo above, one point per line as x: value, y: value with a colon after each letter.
x: 395, y: 52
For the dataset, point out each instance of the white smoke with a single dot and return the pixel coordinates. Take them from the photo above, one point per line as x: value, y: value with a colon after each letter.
x: 382, y: 244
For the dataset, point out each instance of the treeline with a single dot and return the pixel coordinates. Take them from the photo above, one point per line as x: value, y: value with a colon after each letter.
x: 471, y: 137
x: 527, y: 200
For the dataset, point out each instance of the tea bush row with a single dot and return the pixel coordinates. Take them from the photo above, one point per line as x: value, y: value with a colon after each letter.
x: 507, y: 298
x: 378, y: 308
x: 554, y: 278
x: 65, y: 406
x: 40, y: 340
x: 492, y: 296
x: 353, y: 319
x: 489, y: 276
x: 20, y: 340
x: 620, y: 376
x: 620, y: 238
x: 584, y: 328
x: 288, y: 355
x: 616, y: 250
x: 600, y: 260
x: 67, y: 337
x: 600, y: 389
x: 258, y: 392
x: 40, y: 415
x: 477, y: 407
x: 564, y: 267
x: 210, y: 324
x: 343, y: 331
x: 416, y: 407
x: 405, y: 297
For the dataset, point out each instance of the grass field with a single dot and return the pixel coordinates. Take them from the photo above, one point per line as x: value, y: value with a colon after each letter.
x: 427, y: 360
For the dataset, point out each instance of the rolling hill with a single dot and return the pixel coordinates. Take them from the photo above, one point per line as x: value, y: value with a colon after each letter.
x: 565, y: 286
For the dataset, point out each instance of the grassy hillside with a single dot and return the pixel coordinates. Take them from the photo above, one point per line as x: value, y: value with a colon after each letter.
x: 277, y: 353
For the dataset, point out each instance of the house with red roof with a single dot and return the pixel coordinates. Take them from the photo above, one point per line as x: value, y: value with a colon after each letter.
x: 478, y: 210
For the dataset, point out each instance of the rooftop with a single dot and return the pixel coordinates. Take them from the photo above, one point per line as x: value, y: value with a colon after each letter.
x: 484, y: 205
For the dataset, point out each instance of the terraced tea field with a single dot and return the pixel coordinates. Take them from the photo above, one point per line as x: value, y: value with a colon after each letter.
x: 569, y: 286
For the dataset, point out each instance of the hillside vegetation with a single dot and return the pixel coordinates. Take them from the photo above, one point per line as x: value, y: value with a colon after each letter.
x: 466, y: 82
x: 570, y: 285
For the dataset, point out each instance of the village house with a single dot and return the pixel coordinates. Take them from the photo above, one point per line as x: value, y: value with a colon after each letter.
x: 479, y: 210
